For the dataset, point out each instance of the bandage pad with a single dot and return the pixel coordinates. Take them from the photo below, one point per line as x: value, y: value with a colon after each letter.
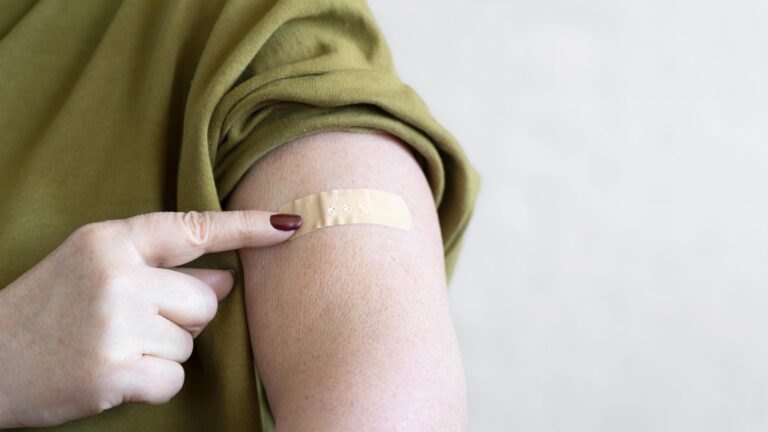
x: 348, y: 206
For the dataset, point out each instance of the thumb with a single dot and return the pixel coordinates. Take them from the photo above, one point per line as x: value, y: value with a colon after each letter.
x: 220, y: 281
x: 170, y: 239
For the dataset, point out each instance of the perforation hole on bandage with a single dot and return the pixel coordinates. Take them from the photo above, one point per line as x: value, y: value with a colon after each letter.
x: 348, y: 206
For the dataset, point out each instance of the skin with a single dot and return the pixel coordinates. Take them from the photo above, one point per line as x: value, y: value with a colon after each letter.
x: 350, y: 325
x: 118, y: 316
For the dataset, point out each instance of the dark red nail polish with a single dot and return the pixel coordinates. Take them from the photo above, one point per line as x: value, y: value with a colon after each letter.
x: 285, y: 222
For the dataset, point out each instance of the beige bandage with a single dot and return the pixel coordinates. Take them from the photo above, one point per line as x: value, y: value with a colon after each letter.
x: 348, y: 206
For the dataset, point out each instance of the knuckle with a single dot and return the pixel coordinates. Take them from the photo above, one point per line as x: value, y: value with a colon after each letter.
x: 112, y: 357
x: 110, y: 282
x: 254, y: 224
x: 189, y: 346
x: 171, y: 383
x: 198, y: 226
x: 248, y: 224
x: 159, y: 384
x: 90, y: 236
x: 95, y: 236
x: 195, y: 330
x: 208, y: 305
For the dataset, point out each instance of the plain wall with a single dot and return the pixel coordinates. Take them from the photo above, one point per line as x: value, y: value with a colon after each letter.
x: 615, y: 274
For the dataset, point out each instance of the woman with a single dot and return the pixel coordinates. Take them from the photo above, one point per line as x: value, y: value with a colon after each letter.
x: 127, y: 127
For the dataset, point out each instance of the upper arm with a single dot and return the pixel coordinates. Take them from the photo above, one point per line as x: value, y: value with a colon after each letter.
x: 350, y: 325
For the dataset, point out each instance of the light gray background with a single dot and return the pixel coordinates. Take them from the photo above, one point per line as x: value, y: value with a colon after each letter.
x: 615, y: 275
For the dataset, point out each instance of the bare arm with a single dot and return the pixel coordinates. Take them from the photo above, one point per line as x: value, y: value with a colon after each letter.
x: 350, y: 325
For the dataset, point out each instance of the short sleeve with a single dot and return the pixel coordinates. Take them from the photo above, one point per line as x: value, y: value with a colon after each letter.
x: 297, y: 67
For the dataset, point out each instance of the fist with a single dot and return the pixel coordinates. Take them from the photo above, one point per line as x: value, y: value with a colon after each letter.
x: 105, y: 319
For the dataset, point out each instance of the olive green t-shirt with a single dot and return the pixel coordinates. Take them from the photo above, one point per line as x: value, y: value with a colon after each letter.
x: 109, y: 109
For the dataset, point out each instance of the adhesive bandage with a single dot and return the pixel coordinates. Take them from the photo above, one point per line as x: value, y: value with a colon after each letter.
x: 348, y: 206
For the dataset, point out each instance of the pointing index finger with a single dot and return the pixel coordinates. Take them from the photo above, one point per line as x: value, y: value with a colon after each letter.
x: 170, y: 239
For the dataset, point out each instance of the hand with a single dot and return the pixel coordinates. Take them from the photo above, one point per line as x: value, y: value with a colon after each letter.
x: 101, y: 321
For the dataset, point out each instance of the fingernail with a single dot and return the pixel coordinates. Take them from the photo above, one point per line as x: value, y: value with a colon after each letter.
x: 285, y: 222
x: 234, y: 276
